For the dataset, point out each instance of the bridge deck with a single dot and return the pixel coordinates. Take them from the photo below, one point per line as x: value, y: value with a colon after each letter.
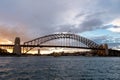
x: 53, y: 46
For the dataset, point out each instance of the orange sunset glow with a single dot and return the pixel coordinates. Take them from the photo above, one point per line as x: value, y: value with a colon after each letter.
x: 5, y: 41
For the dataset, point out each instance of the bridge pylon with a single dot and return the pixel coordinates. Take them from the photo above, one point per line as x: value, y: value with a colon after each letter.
x: 103, y: 52
x: 17, y: 47
x: 106, y: 49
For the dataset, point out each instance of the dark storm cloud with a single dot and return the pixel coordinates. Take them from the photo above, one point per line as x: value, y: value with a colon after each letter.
x: 92, y: 21
x: 90, y: 24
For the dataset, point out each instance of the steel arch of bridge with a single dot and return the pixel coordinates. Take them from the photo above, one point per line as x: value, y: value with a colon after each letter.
x: 46, y: 38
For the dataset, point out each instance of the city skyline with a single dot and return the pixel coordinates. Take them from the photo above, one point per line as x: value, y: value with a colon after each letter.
x: 98, y: 20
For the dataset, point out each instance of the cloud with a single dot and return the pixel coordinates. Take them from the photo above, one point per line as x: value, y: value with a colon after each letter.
x: 115, y: 26
x: 49, y: 16
x: 9, y: 33
x: 102, y: 36
x: 113, y: 42
x: 90, y: 24
x: 114, y: 29
x: 116, y: 22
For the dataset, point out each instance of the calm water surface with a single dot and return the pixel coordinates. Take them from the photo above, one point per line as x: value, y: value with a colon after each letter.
x: 60, y: 68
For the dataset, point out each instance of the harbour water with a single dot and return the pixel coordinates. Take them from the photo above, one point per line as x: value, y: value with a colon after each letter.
x: 59, y: 68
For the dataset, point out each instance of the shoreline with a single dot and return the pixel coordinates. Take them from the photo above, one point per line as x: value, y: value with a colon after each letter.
x: 51, y: 56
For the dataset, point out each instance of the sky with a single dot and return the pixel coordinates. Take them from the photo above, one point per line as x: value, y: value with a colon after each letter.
x: 98, y: 20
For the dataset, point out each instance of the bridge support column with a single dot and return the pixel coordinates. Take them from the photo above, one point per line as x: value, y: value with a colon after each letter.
x: 17, y: 47
x: 105, y: 51
x: 38, y: 51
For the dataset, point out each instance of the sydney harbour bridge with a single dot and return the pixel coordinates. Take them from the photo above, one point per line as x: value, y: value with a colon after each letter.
x: 61, y: 40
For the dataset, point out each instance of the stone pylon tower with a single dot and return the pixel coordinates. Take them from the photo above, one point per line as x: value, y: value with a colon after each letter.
x: 17, y: 47
x: 106, y: 49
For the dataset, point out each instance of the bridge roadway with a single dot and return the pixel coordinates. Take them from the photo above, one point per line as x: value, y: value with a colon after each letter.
x: 9, y: 45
